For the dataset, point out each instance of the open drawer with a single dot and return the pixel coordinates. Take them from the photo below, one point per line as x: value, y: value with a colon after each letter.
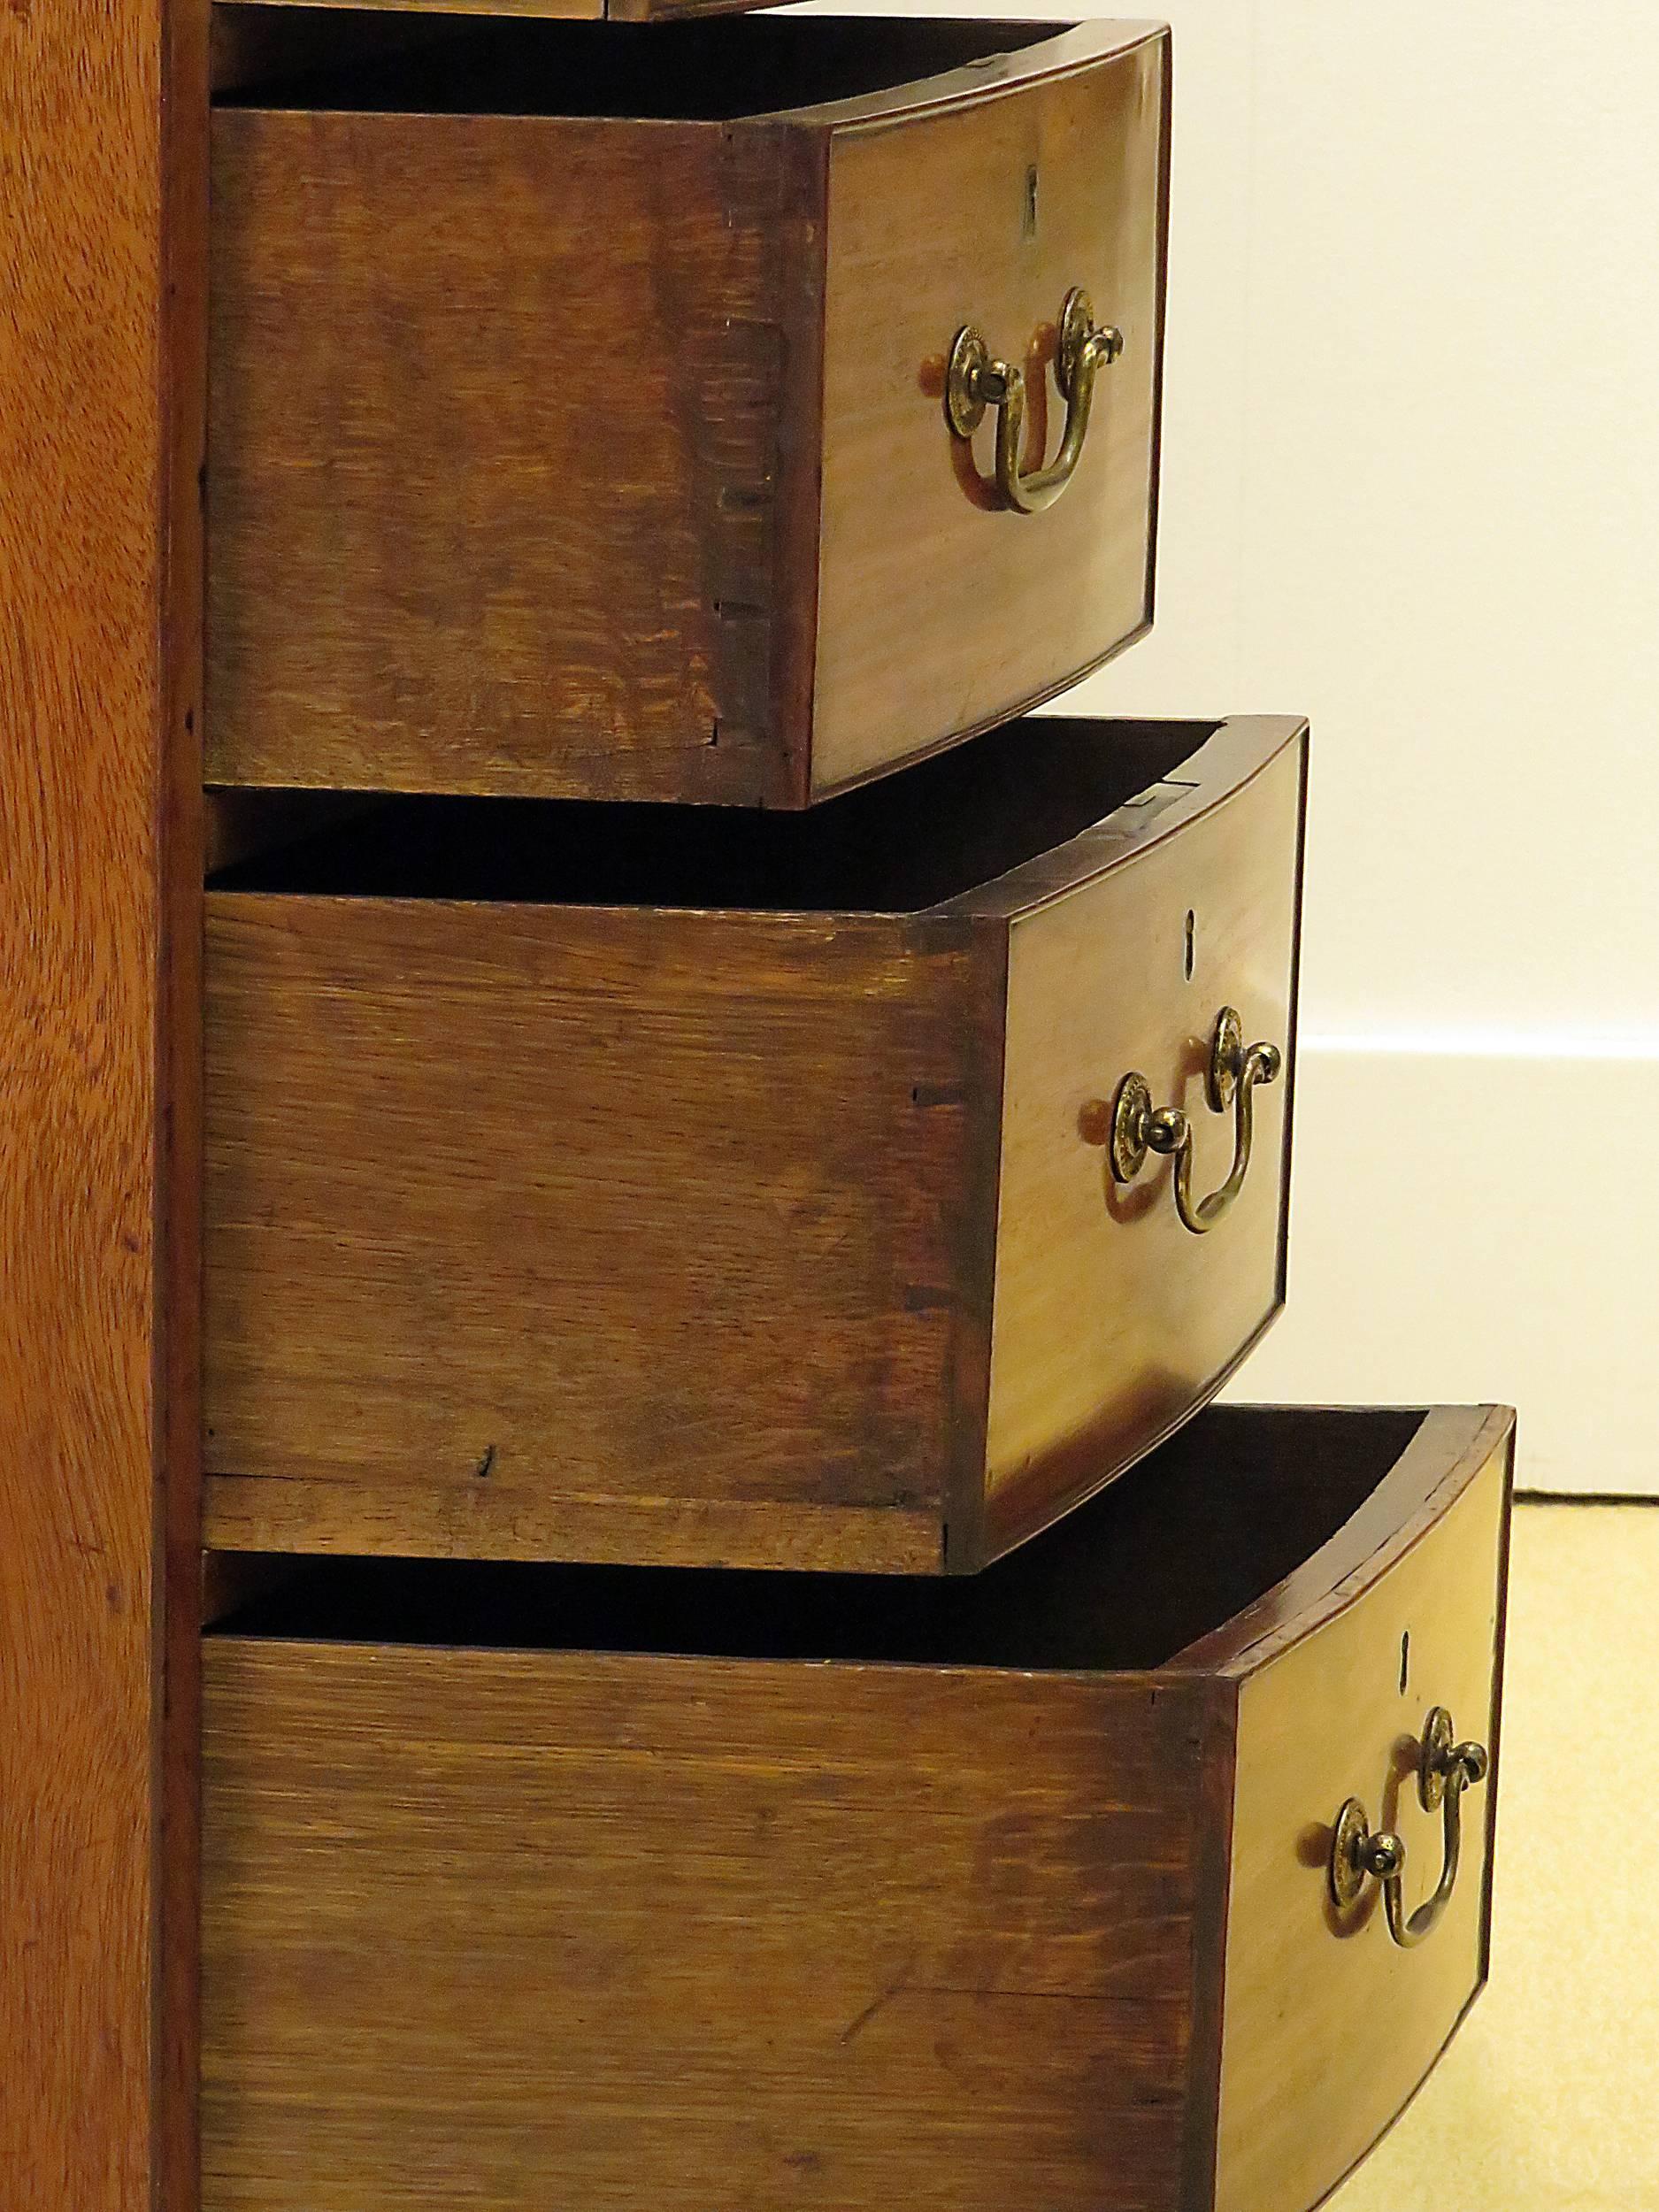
x: 697, y: 1187
x: 543, y: 1889
x: 582, y: 421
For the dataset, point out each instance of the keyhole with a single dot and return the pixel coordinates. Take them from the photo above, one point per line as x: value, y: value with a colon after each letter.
x: 1188, y: 952
x: 1405, y: 1661
x: 1029, y: 228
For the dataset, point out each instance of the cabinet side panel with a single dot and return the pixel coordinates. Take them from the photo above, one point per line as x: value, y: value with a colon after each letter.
x: 99, y: 623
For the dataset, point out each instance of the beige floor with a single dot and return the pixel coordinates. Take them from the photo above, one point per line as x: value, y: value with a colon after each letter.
x: 1548, y: 2101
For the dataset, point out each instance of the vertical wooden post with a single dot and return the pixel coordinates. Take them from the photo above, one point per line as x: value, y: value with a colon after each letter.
x: 102, y: 330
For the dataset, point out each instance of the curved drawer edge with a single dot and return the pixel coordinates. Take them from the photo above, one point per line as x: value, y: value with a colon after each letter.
x: 1449, y: 1451
x: 1015, y: 1514
x: 1066, y: 49
x: 1238, y: 751
x: 1324, y: 2025
x: 1406, y: 2103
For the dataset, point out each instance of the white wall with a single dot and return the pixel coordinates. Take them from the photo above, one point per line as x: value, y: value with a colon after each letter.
x: 1411, y: 488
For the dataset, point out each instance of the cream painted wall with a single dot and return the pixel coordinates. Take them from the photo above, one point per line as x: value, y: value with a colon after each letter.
x: 1411, y: 488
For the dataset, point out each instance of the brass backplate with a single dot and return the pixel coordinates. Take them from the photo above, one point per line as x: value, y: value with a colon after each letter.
x: 1347, y: 1876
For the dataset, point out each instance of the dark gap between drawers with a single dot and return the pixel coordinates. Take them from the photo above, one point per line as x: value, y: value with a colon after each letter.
x: 1240, y: 1498
x: 712, y: 69
x: 913, y: 839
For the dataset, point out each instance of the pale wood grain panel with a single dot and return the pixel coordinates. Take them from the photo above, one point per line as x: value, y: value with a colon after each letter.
x: 1329, y: 2025
x: 934, y: 613
x: 488, y: 505
x: 1109, y: 1316
x: 520, y: 1215
x: 540, y: 1931
x: 102, y: 181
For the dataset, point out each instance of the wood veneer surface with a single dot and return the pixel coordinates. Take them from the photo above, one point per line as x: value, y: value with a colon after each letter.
x: 102, y: 195
x: 1336, y: 1712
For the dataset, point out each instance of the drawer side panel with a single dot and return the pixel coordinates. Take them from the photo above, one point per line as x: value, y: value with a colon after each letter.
x: 490, y: 496
x: 542, y: 1233
x: 544, y: 1932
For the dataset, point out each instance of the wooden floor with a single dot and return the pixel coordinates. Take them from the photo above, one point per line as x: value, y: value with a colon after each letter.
x: 1548, y: 2101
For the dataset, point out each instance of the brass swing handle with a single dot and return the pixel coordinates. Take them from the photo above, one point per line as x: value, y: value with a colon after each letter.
x: 1138, y: 1126
x: 977, y: 379
x: 1360, y: 1853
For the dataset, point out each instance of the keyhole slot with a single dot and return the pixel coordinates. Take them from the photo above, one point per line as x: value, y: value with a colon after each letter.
x: 1189, y: 944
x: 1405, y: 1662
x: 1028, y: 225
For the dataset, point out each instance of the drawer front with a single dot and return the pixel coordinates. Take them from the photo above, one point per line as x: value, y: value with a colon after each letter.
x: 1329, y: 2025
x: 1098, y: 1277
x: 939, y: 609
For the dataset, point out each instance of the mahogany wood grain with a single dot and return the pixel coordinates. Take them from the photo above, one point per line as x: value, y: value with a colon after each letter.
x: 613, y: 1184
x: 829, y: 1897
x: 494, y: 511
x: 102, y: 175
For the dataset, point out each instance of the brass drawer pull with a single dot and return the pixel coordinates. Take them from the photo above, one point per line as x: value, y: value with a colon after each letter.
x: 976, y: 379
x: 1138, y: 1126
x: 1360, y: 1853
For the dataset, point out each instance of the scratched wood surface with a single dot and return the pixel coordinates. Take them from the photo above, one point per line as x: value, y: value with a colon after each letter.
x: 101, y: 357
x: 599, y: 1187
x: 496, y: 512
x: 552, y: 1931
x: 640, y: 1905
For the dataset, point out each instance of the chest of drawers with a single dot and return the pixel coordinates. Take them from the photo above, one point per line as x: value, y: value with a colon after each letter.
x: 741, y: 1666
